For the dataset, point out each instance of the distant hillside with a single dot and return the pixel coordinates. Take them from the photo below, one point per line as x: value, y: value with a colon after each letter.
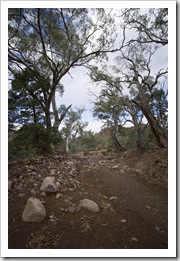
x: 127, y: 135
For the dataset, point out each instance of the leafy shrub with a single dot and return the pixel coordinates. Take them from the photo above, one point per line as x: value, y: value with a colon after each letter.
x: 33, y: 139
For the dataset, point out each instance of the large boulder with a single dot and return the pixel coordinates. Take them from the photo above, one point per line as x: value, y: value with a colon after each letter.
x: 34, y: 211
x: 48, y: 185
x: 90, y: 205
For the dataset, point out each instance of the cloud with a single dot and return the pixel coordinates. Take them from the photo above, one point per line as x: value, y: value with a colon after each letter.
x: 77, y: 89
x: 94, y: 126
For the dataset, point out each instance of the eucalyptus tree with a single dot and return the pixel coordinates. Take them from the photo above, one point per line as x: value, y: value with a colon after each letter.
x: 51, y: 41
x: 159, y: 107
x: 108, y: 107
x: 137, y: 74
x: 27, y: 98
x: 144, y: 31
x: 150, y: 25
x: 73, y: 126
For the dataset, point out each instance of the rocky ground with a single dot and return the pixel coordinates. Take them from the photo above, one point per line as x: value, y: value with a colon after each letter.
x: 126, y: 201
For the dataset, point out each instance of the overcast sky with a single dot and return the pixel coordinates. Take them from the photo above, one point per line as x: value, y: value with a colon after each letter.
x: 78, y: 84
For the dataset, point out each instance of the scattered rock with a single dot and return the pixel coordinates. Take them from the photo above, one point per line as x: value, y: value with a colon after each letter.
x: 32, y: 168
x: 72, y: 209
x: 139, y: 172
x: 43, y: 194
x: 48, y: 185
x: 58, y: 196
x: 53, y: 172
x: 103, y: 225
x: 115, y: 167
x: 26, y: 161
x: 21, y: 195
x: 134, y: 239
x: 147, y: 207
x: 123, y: 220
x: 64, y: 210
x: 108, y: 205
x: 157, y: 228
x: 72, y: 223
x: 90, y: 205
x: 113, y: 198
x: 34, y: 211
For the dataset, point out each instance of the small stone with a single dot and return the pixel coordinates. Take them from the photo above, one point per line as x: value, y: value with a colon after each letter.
x: 58, y: 184
x: 115, y: 167
x: 147, y: 207
x: 32, y: 168
x: 21, y: 195
x: 26, y: 161
x: 72, y: 209
x: 53, y: 172
x: 113, y: 198
x: 134, y: 239
x: 78, y: 208
x: 72, y: 223
x: 58, y: 196
x: 103, y: 225
x: 138, y: 172
x: 90, y: 205
x: 70, y: 198
x: 43, y: 194
x: 157, y: 228
x: 33, y: 173
x: 123, y: 220
x: 48, y: 185
x: 33, y: 191
x: 108, y: 205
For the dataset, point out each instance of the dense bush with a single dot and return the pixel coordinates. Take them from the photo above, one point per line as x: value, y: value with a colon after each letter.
x: 33, y: 139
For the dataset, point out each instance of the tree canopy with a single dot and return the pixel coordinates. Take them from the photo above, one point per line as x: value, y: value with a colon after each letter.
x: 116, y: 47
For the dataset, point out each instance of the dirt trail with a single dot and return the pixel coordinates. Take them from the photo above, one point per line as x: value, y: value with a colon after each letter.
x: 133, y: 212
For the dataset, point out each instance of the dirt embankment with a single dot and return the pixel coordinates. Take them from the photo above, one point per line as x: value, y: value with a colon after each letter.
x: 129, y: 188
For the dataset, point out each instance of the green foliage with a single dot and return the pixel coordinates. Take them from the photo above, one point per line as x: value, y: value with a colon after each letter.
x: 33, y: 139
x: 87, y: 141
x: 26, y: 102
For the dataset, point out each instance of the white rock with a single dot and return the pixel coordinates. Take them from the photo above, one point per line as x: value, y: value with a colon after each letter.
x: 58, y: 196
x: 48, y: 185
x: 34, y: 211
x: 90, y: 205
x: 53, y: 172
x: 123, y: 220
x: 113, y: 198
x: 115, y: 167
x: 134, y: 239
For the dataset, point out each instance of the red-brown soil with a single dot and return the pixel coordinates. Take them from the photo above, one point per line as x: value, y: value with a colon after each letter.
x: 130, y: 189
